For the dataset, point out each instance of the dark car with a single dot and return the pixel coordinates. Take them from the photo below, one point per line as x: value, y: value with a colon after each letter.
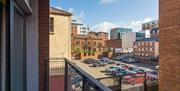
x: 99, y: 64
x: 131, y: 60
x: 90, y: 61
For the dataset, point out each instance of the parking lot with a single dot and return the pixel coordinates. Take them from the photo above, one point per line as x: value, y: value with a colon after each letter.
x: 98, y: 73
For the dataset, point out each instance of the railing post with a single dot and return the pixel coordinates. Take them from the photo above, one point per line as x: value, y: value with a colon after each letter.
x: 145, y: 84
x: 85, y: 86
x: 120, y: 83
x: 47, y: 74
x: 66, y: 76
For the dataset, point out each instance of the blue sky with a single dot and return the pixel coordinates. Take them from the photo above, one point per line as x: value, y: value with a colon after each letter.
x: 102, y: 15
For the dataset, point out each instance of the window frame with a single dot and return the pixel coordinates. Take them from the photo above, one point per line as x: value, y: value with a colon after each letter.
x: 51, y: 24
x: 1, y: 15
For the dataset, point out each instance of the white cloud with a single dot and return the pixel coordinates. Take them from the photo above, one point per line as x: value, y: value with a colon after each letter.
x: 107, y: 26
x: 79, y: 17
x: 104, y: 26
x: 59, y: 7
x: 147, y: 20
x: 107, y: 1
x: 71, y: 10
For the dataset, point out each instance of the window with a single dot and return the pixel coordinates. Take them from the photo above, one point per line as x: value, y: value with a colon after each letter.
x: 142, y: 43
x: 150, y: 49
x: 142, y: 49
x: 77, y: 42
x: 150, y: 43
x: 18, y: 63
x: 51, y: 25
x: 119, y: 35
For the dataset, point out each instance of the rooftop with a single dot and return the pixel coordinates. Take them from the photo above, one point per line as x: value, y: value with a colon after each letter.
x: 56, y: 11
x: 148, y: 39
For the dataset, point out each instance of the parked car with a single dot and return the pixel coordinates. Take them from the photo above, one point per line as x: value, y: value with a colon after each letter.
x: 157, y: 67
x: 134, y: 79
x: 111, y: 68
x: 121, y: 72
x: 107, y: 60
x: 90, y: 61
x: 118, y: 58
x: 104, y: 59
x: 153, y: 75
x: 131, y: 60
x: 99, y: 64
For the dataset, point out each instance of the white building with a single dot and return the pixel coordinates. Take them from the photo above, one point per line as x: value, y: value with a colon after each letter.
x: 79, y: 28
x: 128, y: 40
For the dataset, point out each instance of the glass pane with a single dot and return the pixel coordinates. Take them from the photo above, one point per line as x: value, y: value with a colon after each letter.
x: 18, y: 53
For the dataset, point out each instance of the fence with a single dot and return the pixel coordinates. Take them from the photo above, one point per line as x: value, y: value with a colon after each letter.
x: 63, y: 75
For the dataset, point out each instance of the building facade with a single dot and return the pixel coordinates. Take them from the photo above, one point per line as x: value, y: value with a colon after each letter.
x: 117, y: 33
x: 60, y: 33
x: 150, y: 25
x: 169, y: 26
x: 147, y: 48
x: 90, y: 44
x: 154, y: 32
x: 24, y: 26
x: 128, y: 40
x: 78, y: 28
x: 114, y: 46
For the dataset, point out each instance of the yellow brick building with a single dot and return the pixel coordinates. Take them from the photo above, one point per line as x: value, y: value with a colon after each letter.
x: 60, y: 33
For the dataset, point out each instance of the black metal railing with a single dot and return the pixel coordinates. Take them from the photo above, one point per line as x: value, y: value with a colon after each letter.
x: 134, y: 83
x: 72, y: 75
x: 76, y: 79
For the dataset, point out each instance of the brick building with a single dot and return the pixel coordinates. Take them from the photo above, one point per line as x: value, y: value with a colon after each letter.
x: 147, y: 48
x: 89, y: 44
x: 60, y: 33
x: 114, y: 45
x: 154, y: 33
x: 169, y: 25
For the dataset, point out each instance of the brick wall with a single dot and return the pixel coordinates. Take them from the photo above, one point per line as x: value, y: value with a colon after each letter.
x: 43, y: 40
x: 113, y: 43
x: 169, y: 45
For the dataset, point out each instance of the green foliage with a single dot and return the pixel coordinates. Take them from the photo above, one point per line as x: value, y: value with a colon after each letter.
x: 77, y: 50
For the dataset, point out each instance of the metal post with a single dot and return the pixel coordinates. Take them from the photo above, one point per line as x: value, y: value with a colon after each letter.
x: 66, y: 77
x: 145, y: 84
x: 120, y: 83
x: 47, y: 75
x: 85, y: 86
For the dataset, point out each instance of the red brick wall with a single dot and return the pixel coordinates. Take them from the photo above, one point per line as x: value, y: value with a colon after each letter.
x: 169, y: 45
x: 43, y: 40
x: 56, y: 83
x: 113, y: 43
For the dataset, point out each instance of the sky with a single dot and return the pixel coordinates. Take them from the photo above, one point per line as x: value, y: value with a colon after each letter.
x: 103, y: 15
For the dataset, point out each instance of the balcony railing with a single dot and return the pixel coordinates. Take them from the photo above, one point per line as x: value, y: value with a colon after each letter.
x: 63, y: 75
x: 74, y: 78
